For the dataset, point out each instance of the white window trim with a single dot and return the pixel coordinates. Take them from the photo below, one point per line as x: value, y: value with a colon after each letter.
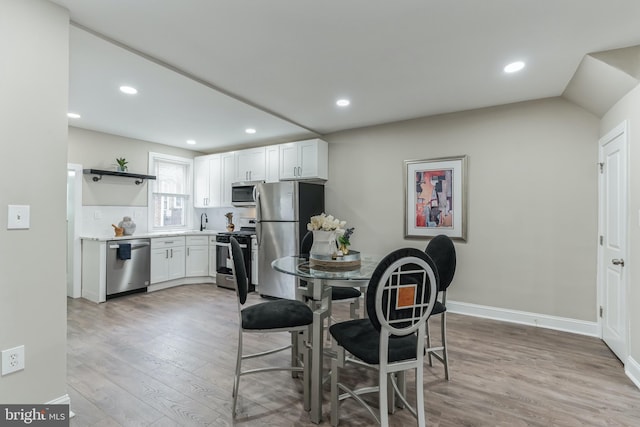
x: 189, y: 186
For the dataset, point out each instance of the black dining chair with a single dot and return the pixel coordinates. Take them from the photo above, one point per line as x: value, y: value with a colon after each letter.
x: 443, y: 253
x: 400, y: 297
x: 281, y: 315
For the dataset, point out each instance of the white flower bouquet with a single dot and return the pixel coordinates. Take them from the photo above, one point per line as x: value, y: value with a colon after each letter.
x: 326, y: 222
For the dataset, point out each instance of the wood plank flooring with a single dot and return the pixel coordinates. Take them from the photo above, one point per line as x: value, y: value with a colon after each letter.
x: 166, y: 359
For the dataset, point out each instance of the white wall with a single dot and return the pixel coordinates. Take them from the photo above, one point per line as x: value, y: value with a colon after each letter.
x: 97, y: 150
x: 34, y: 76
x: 628, y: 108
x: 532, y: 200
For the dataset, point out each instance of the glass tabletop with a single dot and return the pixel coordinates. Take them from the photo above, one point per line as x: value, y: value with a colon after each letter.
x: 298, y: 266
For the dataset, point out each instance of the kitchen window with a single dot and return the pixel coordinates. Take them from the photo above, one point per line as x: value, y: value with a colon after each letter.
x: 169, y: 194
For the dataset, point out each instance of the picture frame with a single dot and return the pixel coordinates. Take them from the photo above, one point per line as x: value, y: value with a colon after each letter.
x: 436, y: 197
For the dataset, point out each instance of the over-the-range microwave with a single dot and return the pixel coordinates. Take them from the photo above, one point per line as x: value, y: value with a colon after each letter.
x: 243, y: 193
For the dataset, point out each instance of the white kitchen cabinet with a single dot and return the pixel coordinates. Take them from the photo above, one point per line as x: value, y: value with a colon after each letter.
x: 197, y: 258
x: 212, y: 256
x: 207, y: 182
x: 272, y: 163
x: 307, y: 159
x: 227, y: 177
x: 201, y: 182
x: 251, y: 165
x: 167, y: 258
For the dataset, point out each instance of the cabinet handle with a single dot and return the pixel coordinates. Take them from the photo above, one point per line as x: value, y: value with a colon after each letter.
x: 294, y: 171
x: 187, y: 251
x: 171, y: 252
x: 166, y: 254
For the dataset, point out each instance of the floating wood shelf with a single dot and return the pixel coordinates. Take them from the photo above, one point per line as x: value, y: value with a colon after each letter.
x: 99, y: 172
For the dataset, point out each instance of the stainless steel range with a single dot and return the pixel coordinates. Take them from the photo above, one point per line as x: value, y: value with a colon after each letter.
x: 224, y: 265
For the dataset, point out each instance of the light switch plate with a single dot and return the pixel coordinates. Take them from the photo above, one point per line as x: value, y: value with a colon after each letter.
x: 18, y: 217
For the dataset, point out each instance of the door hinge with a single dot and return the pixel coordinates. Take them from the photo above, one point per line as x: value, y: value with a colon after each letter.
x: 601, y: 240
x: 601, y: 311
x: 601, y: 164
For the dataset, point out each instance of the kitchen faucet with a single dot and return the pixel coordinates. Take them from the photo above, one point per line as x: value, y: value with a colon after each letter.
x: 203, y: 225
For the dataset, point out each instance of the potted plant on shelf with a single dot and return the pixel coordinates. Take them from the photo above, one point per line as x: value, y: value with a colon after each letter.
x: 122, y: 164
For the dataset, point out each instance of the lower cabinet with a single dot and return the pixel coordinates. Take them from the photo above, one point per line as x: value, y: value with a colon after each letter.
x: 168, y: 259
x: 197, y: 259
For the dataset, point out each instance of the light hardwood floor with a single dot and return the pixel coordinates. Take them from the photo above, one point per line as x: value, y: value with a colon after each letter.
x: 166, y: 359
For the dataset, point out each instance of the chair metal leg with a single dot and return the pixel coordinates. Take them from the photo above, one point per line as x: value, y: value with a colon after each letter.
x: 428, y: 337
x: 306, y: 369
x: 383, y: 378
x: 391, y: 394
x: 335, y: 393
x: 445, y: 354
x: 420, y: 394
x: 295, y: 353
x: 401, y: 378
x: 236, y: 378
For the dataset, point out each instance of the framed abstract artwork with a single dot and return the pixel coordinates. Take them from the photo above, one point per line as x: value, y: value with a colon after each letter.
x: 436, y: 197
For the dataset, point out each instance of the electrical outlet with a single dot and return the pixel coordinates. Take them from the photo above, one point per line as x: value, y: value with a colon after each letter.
x: 12, y: 360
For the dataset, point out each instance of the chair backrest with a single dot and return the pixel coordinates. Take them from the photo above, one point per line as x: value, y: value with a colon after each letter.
x: 239, y: 271
x: 443, y: 253
x: 402, y: 291
x: 305, y: 245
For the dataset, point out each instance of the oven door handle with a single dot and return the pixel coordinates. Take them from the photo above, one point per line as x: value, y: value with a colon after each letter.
x: 228, y: 245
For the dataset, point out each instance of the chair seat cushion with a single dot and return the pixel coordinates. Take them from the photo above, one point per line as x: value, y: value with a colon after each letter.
x: 361, y: 339
x: 340, y: 293
x: 276, y: 314
x: 438, y: 308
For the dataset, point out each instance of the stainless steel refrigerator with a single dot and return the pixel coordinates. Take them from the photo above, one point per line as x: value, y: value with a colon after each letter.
x: 283, y: 210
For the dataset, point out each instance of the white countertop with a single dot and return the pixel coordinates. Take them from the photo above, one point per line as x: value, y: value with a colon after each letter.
x: 155, y: 234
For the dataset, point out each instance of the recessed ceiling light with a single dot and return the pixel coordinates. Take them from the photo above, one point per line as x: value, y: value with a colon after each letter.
x: 514, y: 66
x: 191, y: 142
x: 343, y: 102
x: 73, y: 115
x: 128, y: 90
x: 250, y: 130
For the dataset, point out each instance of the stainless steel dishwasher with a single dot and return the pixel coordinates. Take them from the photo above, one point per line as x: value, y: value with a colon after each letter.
x: 128, y: 266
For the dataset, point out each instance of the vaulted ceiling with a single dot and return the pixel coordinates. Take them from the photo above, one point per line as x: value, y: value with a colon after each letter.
x: 208, y: 69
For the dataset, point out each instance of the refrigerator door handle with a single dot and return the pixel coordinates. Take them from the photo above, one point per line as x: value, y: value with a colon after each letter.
x: 256, y: 197
x: 258, y: 233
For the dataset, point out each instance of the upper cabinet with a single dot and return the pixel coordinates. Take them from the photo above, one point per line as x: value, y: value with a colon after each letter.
x: 251, y: 165
x: 307, y: 159
x: 201, y: 174
x: 214, y: 173
x: 207, y: 184
x: 272, y: 157
x: 226, y: 176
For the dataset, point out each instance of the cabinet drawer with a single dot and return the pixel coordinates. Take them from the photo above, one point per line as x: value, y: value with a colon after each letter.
x: 197, y: 240
x: 167, y: 242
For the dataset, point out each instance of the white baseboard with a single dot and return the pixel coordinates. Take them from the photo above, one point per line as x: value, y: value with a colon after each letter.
x: 632, y: 369
x: 179, y: 282
x: 525, y: 318
x: 63, y: 400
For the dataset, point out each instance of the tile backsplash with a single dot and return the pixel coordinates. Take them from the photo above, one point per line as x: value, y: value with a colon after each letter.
x: 97, y: 220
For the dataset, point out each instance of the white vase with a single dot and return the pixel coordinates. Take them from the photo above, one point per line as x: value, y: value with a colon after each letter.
x: 324, y: 243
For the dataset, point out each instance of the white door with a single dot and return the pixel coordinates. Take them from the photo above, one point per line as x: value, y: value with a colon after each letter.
x: 613, y: 239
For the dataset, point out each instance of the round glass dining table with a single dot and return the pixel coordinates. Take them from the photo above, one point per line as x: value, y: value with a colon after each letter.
x: 317, y: 293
